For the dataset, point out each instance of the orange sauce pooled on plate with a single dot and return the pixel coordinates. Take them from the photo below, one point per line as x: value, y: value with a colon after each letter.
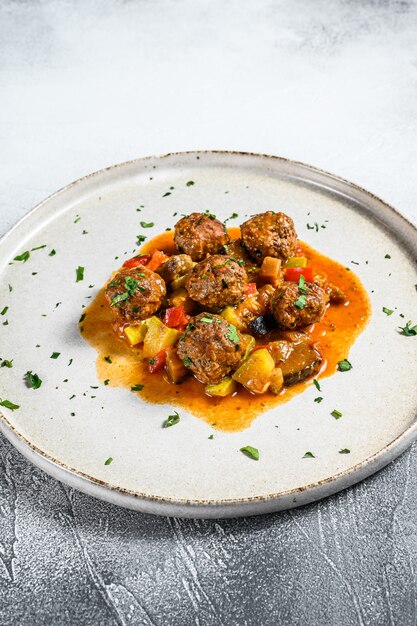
x: 335, y: 333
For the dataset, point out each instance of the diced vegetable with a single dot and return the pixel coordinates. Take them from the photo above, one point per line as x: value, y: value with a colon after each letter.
x: 231, y: 315
x: 270, y: 271
x: 177, y: 283
x: 277, y: 380
x: 296, y: 261
x: 157, y: 362
x: 180, y: 297
x: 262, y: 325
x: 248, y: 344
x: 176, y: 369
x: 176, y: 316
x: 140, y: 259
x: 255, y: 372
x: 250, y: 290
x: 158, y: 257
x: 158, y: 337
x: 136, y: 334
x: 293, y: 274
x: 225, y: 387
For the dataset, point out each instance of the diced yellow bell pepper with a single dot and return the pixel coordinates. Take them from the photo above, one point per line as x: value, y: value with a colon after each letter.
x: 270, y: 271
x: 255, y: 372
x: 158, y: 337
x: 296, y: 261
x: 225, y: 387
x: 136, y: 334
x: 277, y: 380
x: 231, y: 315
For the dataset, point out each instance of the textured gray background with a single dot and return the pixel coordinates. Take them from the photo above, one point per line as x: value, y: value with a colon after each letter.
x: 87, y: 84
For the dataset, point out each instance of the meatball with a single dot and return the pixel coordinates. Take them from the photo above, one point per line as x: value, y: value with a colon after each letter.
x: 269, y: 234
x: 135, y: 294
x: 210, y: 347
x: 200, y: 234
x: 175, y: 267
x: 217, y: 281
x: 294, y: 309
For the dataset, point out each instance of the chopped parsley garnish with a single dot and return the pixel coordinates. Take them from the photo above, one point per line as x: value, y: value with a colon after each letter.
x: 231, y: 217
x: 210, y: 215
x: 300, y: 302
x: 318, y: 399
x: 10, y: 288
x: 38, y: 248
x: 301, y: 284
x: 108, y: 359
x: 137, y: 387
x: 344, y: 451
x: 344, y: 366
x: 140, y: 239
x: 187, y: 361
x: 77, y: 219
x: 233, y: 335
x: 22, y: 257
x: 172, y: 420
x: 52, y: 253
x: 131, y: 285
x: 407, y: 330
x: 106, y: 382
x: 251, y: 452
x: 309, y: 455
x: 168, y: 193
x: 316, y: 384
x: 54, y: 355
x: 9, y: 405
x: 387, y: 311
x: 109, y: 460
x: 147, y: 224
x: 80, y: 273
x: 82, y: 318
x: 387, y: 256
x: 7, y: 363
x: 33, y: 380
x: 4, y: 311
x: 211, y: 437
x: 336, y: 414
x: 190, y: 183
x: 120, y: 297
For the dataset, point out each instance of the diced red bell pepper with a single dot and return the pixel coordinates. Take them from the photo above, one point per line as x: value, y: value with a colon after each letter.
x: 294, y: 273
x: 157, y: 362
x: 141, y: 259
x: 176, y: 317
x: 158, y: 257
x: 250, y: 290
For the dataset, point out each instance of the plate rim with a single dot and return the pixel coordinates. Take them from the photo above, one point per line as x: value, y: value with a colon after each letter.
x: 211, y: 508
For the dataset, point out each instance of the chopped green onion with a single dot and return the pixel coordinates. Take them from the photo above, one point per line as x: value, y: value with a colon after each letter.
x: 22, y: 257
x: 9, y: 405
x: 300, y: 302
x: 80, y: 273
x: 316, y: 384
x: 54, y: 355
x: 137, y: 387
x: 33, y: 380
x: 344, y: 451
x: 407, y: 330
x: 147, y: 224
x: 109, y: 460
x: 309, y: 455
x: 336, y: 414
x: 387, y: 311
x: 251, y: 452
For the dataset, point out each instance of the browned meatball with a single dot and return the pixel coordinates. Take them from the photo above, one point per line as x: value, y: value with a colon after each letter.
x: 217, y: 281
x: 210, y: 347
x: 177, y: 265
x: 135, y: 294
x: 269, y: 234
x: 294, y: 309
x: 199, y: 234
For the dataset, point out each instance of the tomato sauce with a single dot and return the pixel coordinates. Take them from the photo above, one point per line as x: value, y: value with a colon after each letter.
x: 335, y: 334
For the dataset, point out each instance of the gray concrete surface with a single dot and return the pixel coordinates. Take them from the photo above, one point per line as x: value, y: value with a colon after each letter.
x: 87, y: 84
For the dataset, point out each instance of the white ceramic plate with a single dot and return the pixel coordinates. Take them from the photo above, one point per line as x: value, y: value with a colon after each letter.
x: 179, y: 471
